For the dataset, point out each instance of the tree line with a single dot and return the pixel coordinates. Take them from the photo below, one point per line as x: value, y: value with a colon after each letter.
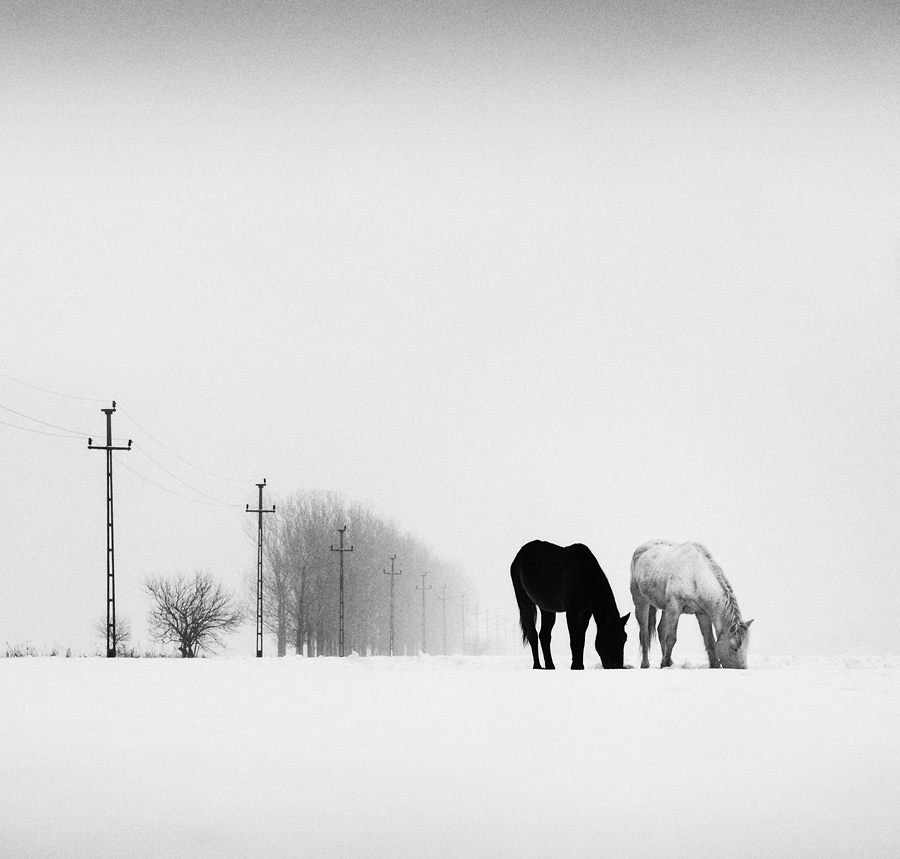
x: 301, y: 593
x: 301, y: 587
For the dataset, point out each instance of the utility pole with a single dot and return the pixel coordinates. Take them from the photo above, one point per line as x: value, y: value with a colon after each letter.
x: 463, y: 601
x: 341, y: 550
x: 259, y: 565
x: 392, y: 574
x: 477, y: 615
x: 497, y: 632
x: 443, y: 599
x: 423, y: 589
x: 109, y: 447
x: 487, y: 632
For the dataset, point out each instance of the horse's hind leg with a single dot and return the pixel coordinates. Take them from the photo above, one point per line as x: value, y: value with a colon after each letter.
x: 548, y: 618
x: 668, y: 633
x: 709, y: 641
x: 645, y: 624
x: 578, y: 624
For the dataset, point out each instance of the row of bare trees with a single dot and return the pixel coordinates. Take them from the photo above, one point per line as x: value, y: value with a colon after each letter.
x: 301, y: 587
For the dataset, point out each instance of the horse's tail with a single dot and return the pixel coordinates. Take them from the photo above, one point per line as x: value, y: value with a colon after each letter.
x: 527, y: 609
x: 651, y: 621
x: 651, y: 610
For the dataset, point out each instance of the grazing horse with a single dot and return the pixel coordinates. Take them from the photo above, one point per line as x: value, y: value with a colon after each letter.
x: 553, y: 579
x: 684, y: 579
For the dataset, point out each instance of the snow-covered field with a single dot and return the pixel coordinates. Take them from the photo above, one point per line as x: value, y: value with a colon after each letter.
x: 450, y: 757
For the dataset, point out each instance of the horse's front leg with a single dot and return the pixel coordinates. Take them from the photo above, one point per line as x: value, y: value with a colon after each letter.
x: 548, y: 618
x: 577, y: 624
x: 709, y: 641
x: 668, y: 633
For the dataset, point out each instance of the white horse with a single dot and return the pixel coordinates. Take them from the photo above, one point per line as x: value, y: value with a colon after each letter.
x: 684, y: 579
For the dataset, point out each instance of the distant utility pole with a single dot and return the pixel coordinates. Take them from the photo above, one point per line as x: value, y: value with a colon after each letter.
x: 392, y: 574
x: 497, y: 632
x: 463, y: 601
x: 443, y: 599
x: 487, y: 632
x: 342, y: 531
x: 109, y: 447
x: 259, y: 564
x: 423, y: 589
x: 477, y: 615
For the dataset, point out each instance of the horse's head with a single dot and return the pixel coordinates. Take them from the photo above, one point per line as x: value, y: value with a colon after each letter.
x: 611, y: 643
x: 731, y: 647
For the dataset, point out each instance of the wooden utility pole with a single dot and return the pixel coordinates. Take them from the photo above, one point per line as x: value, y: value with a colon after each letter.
x: 259, y: 568
x: 109, y: 447
x: 443, y: 599
x: 392, y: 574
x: 423, y: 589
x: 341, y: 550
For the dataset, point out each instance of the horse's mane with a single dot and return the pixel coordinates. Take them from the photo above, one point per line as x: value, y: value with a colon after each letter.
x: 598, y: 583
x: 732, y: 611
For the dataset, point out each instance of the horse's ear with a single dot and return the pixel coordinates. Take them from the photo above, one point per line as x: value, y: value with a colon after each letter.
x: 625, y: 619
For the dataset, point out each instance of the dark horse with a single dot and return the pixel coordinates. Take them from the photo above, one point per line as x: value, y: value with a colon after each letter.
x: 553, y: 579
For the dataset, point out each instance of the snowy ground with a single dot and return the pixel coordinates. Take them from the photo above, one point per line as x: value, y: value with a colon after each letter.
x: 449, y: 757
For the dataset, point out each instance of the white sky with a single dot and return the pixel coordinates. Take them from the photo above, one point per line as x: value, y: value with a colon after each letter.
x: 519, y: 271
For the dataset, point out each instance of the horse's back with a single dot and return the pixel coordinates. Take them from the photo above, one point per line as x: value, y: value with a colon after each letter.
x: 555, y: 577
x: 663, y: 572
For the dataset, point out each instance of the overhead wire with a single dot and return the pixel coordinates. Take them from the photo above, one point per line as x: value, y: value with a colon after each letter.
x: 172, y: 491
x: 45, y: 423
x: 72, y: 433
x: 182, y: 482
x: 178, y: 456
x: 41, y: 432
x: 48, y: 391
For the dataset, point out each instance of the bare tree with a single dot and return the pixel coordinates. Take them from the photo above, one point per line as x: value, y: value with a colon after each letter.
x: 192, y: 613
x: 121, y: 638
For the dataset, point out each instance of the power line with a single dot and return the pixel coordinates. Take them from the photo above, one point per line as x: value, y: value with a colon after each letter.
x: 44, y: 423
x: 48, y: 391
x: 39, y: 432
x: 172, y: 491
x: 182, y: 482
x: 76, y: 434
x: 178, y: 456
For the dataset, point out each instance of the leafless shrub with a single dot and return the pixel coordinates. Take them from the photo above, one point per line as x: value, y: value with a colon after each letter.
x: 193, y: 613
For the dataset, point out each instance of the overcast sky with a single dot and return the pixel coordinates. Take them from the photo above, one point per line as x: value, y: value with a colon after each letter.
x: 583, y: 272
